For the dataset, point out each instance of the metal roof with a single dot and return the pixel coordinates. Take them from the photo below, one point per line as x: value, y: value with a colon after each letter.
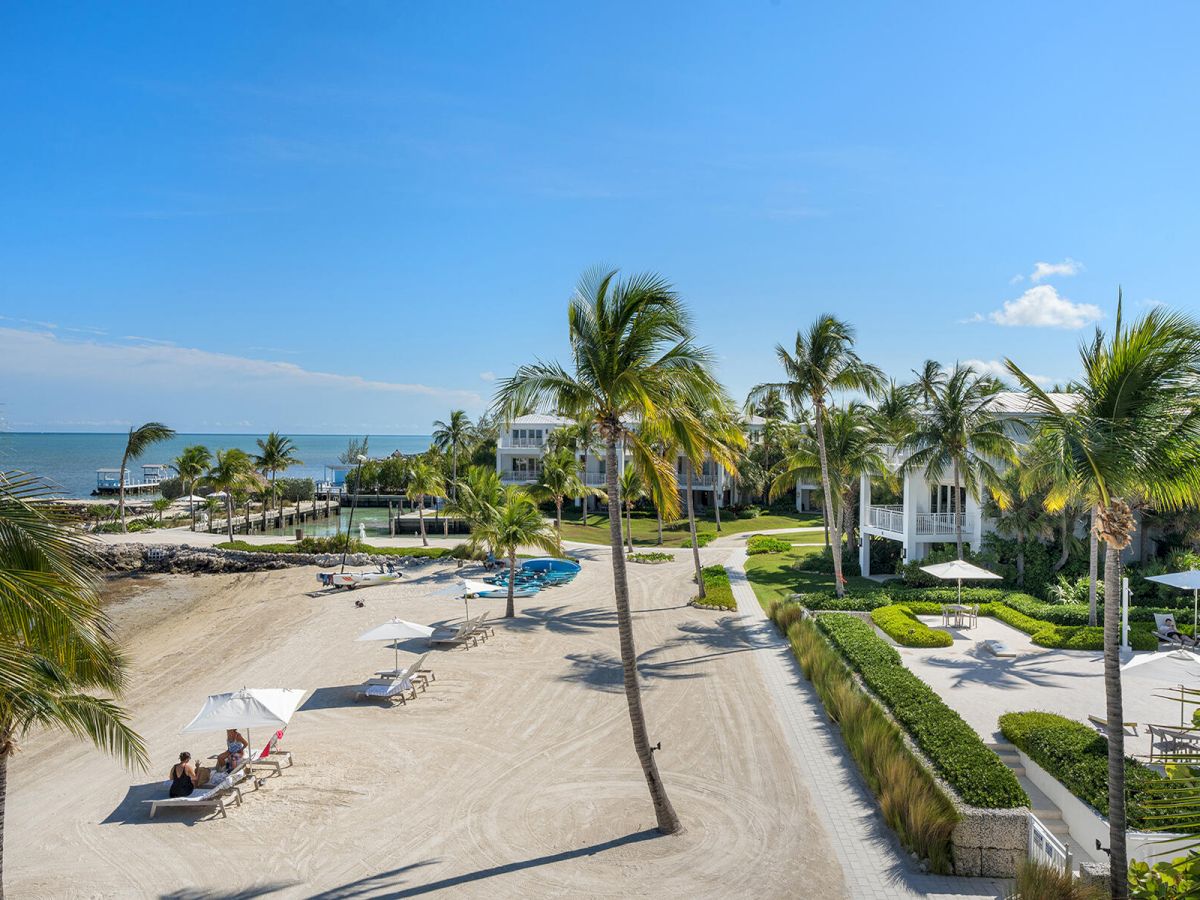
x: 1018, y: 403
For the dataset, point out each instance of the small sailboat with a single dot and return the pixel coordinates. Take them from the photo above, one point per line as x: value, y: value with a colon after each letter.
x: 351, y: 580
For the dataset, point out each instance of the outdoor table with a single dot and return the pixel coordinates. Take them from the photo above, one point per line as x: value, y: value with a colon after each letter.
x: 955, y: 614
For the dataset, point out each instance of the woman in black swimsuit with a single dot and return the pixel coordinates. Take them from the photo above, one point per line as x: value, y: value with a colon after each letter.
x: 183, y: 776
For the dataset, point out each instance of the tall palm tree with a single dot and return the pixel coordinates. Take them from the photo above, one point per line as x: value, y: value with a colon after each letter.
x: 1134, y: 433
x: 276, y: 454
x: 896, y: 412
x: 453, y: 437
x: 586, y: 438
x: 57, y: 656
x: 823, y: 361
x: 232, y: 472
x: 931, y: 377
x: 425, y: 480
x: 633, y: 489
x: 139, y: 441
x: 560, y: 479
x: 517, y: 523
x: 633, y: 356
x: 190, y: 466
x: 961, y: 431
x: 773, y: 410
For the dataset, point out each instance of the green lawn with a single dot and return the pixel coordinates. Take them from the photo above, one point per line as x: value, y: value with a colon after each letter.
x: 645, y: 527
x: 773, y: 576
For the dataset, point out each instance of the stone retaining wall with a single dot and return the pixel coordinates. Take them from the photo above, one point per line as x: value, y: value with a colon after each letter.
x: 121, y: 558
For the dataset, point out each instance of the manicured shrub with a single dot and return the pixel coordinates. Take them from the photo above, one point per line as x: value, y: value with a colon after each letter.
x: 764, y: 543
x: 718, y: 593
x: 1078, y: 757
x: 898, y: 623
x: 857, y: 602
x: 910, y: 800
x: 651, y: 557
x: 959, y: 754
x: 704, y: 538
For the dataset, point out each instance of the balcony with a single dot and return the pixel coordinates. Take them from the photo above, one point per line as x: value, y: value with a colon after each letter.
x: 512, y: 443
x: 891, y: 518
x: 520, y: 477
x: 887, y: 518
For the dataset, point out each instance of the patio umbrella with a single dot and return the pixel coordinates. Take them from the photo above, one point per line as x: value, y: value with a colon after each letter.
x: 1188, y: 581
x: 396, y: 630
x: 958, y: 570
x: 247, y: 708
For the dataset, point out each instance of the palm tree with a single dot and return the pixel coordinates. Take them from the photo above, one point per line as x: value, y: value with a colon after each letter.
x: 772, y: 408
x: 1020, y: 513
x: 139, y: 441
x: 453, y: 437
x: 160, y: 506
x: 233, y: 471
x: 895, y: 415
x: 824, y: 361
x: 190, y: 466
x: 961, y: 431
x: 425, y: 480
x: 276, y: 454
x: 1135, y: 432
x: 633, y: 489
x: 57, y: 656
x: 560, y: 479
x: 517, y: 523
x: 633, y: 357
x: 931, y: 377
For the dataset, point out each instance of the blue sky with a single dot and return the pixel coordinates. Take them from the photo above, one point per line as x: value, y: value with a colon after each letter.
x: 352, y: 217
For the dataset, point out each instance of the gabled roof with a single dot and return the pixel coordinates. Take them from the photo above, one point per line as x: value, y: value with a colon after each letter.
x: 1018, y: 403
x: 538, y: 419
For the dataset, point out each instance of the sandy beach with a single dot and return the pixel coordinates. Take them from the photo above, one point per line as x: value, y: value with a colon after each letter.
x: 514, y: 775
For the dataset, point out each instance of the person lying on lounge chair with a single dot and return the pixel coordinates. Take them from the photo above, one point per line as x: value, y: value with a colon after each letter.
x: 235, y: 750
x: 1168, y: 631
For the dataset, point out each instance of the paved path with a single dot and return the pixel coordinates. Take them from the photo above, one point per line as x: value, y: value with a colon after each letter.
x: 874, y: 864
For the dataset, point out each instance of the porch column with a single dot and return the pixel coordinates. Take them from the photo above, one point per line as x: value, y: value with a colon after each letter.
x: 864, y: 508
x: 909, y: 516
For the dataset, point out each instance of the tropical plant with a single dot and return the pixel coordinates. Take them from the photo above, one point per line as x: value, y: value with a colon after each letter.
x: 190, y: 466
x: 517, y: 523
x: 560, y: 479
x: 1020, y: 514
x: 823, y: 361
x: 57, y: 655
x: 1135, y: 431
x: 276, y: 454
x: 633, y: 489
x: 354, y: 449
x: 139, y: 441
x: 930, y: 380
x: 160, y: 506
x: 454, y: 437
x: 425, y: 480
x: 232, y: 472
x: 962, y: 432
x: 633, y: 355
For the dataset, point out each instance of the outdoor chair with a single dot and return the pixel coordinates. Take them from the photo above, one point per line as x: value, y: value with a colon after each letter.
x: 482, y: 628
x: 414, y: 672
x: 387, y: 689
x: 271, y: 755
x: 1101, y: 725
x: 1170, y: 743
x: 462, y: 635
x: 1167, y: 632
x: 214, y: 796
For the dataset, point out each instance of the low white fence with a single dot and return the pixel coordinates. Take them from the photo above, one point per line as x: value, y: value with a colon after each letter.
x: 1046, y: 849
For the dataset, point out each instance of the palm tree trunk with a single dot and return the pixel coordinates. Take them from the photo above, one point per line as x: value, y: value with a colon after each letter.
x: 716, y: 504
x: 3, y: 803
x: 584, y: 504
x: 1114, y: 713
x: 421, y: 520
x: 229, y: 514
x: 1093, y: 567
x: 658, y: 515
x: 835, y: 549
x: 121, y: 490
x: 558, y: 514
x: 691, y: 508
x: 664, y: 812
x: 1020, y: 561
x: 957, y: 513
x: 192, y: 505
x: 510, y: 610
x: 1066, y: 543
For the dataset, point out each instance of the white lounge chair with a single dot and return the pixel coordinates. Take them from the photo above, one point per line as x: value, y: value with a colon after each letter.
x: 463, y: 634
x: 1168, y: 632
x: 271, y: 755
x: 214, y: 796
x: 414, y: 672
x: 387, y: 689
x: 482, y: 628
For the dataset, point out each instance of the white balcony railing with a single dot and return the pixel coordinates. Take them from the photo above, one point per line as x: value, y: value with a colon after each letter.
x: 943, y: 523
x: 523, y: 443
x: 520, y: 477
x: 888, y: 518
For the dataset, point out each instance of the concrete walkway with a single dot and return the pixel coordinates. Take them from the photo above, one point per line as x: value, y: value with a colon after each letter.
x: 874, y: 864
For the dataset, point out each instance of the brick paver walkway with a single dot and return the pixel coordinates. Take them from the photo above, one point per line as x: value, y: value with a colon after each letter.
x: 874, y: 864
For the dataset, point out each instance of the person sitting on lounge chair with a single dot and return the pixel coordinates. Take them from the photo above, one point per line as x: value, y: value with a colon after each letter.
x: 183, y: 776
x: 235, y: 751
x: 1168, y: 632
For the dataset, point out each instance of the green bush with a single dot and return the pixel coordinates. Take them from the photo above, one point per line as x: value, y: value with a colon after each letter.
x: 822, y: 563
x: 856, y: 602
x: 651, y: 557
x: 355, y: 547
x: 295, y: 490
x: 704, y: 538
x: 764, y: 543
x: 898, y: 623
x: 959, y: 754
x: 718, y: 593
x: 1078, y: 757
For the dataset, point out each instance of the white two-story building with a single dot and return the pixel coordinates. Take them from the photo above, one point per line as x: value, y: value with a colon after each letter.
x: 929, y: 511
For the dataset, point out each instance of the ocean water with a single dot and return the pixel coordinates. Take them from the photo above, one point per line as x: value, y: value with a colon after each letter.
x: 70, y: 461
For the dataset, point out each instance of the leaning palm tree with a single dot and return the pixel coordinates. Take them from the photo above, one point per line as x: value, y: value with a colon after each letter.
x: 190, y: 466
x: 824, y: 361
x: 962, y: 432
x: 517, y: 523
x: 425, y: 480
x: 1135, y: 432
x: 232, y: 472
x: 276, y: 454
x: 57, y: 656
x: 560, y: 479
x: 139, y: 441
x: 454, y: 437
x: 931, y: 378
x: 633, y: 356
x: 633, y: 489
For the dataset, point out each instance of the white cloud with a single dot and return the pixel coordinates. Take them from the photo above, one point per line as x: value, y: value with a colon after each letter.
x: 56, y: 379
x: 487, y: 376
x: 1045, y: 270
x: 997, y: 369
x: 1042, y: 307
x: 1016, y: 279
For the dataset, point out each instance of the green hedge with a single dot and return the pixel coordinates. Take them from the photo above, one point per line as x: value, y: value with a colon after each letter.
x: 1078, y: 757
x: 959, y: 754
x: 899, y: 623
x: 424, y: 552
x: 718, y: 593
x: 764, y: 543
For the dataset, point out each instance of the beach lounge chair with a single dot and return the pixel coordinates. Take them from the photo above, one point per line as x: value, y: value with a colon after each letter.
x: 1167, y: 632
x: 401, y: 689
x: 414, y: 672
x: 482, y: 628
x: 213, y: 796
x: 271, y: 755
x: 1101, y: 725
x: 462, y: 635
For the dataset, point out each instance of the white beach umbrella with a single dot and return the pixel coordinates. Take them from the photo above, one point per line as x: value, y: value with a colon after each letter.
x: 957, y: 570
x: 190, y: 498
x: 247, y: 708
x: 1187, y: 581
x: 396, y: 630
